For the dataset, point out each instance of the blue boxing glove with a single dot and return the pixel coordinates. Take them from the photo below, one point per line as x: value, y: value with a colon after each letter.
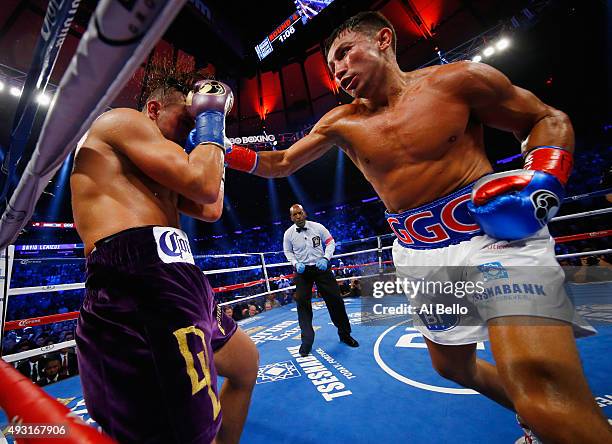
x: 209, y: 103
x: 300, y: 267
x: 516, y: 204
x: 322, y: 264
x: 191, y: 142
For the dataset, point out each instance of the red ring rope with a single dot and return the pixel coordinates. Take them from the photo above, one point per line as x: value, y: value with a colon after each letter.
x: 583, y: 236
x: 26, y: 403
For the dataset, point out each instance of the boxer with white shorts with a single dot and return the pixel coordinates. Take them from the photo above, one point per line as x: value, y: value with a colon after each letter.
x: 510, y: 278
x: 418, y: 137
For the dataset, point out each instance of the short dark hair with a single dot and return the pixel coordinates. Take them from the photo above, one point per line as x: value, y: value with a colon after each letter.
x: 366, y: 22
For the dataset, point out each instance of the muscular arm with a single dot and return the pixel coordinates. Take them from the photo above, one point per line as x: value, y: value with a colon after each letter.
x: 320, y: 140
x: 499, y: 104
x: 196, y: 176
x: 205, y: 212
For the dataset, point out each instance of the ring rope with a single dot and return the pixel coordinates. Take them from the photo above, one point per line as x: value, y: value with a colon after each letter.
x: 229, y: 270
x: 27, y: 403
x: 584, y: 253
x: 583, y: 214
x: 42, y: 320
x: 38, y: 351
x: 588, y: 195
x: 583, y: 236
x: 45, y: 288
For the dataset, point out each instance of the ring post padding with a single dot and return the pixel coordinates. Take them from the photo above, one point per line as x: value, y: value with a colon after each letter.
x: 110, y: 50
x: 6, y: 270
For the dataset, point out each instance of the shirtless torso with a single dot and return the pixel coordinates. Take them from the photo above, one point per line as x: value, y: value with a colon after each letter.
x: 425, y: 139
x: 428, y: 133
x: 127, y: 174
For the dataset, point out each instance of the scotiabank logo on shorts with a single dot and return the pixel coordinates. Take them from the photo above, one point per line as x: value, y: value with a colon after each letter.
x: 172, y: 245
x: 400, y: 351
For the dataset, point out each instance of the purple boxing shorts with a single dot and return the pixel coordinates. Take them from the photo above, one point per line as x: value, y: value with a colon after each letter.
x: 146, y: 335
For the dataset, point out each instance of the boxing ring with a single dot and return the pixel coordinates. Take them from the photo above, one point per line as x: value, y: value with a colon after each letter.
x: 385, y: 388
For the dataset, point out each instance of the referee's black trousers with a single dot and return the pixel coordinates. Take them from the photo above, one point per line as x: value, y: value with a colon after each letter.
x: 329, y: 290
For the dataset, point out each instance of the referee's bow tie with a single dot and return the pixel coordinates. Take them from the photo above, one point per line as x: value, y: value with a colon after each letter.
x: 299, y: 230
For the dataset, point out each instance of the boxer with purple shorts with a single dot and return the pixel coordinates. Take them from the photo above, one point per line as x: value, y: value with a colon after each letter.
x: 151, y: 339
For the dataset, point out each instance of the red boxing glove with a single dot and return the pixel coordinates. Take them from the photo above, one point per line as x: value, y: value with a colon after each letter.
x: 552, y: 160
x: 241, y: 159
x: 549, y: 159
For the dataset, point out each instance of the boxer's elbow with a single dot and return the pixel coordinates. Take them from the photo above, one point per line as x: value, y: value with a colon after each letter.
x: 212, y: 213
x: 215, y: 216
x: 559, y: 126
x: 203, y: 190
x: 548, y: 127
x: 559, y: 120
x: 211, y: 190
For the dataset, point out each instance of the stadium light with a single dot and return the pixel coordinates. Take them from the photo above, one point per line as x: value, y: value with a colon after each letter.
x: 477, y: 58
x: 1, y: 86
x: 502, y: 44
x: 488, y: 51
x: 15, y: 91
x: 43, y: 99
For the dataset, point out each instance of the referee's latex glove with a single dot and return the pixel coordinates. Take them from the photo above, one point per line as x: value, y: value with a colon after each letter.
x: 322, y: 264
x: 300, y: 267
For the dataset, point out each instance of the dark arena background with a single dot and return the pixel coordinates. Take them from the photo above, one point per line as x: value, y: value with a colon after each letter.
x: 271, y: 53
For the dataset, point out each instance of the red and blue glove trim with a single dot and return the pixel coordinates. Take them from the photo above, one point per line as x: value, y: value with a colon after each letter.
x: 516, y: 204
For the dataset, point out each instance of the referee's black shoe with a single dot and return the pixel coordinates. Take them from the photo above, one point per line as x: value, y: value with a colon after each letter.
x: 349, y: 340
x: 305, y: 350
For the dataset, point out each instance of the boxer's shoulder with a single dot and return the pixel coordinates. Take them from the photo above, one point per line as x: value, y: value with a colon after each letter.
x: 333, y: 125
x: 117, y: 119
x: 113, y: 115
x: 338, y: 115
x: 121, y: 124
x: 465, y: 78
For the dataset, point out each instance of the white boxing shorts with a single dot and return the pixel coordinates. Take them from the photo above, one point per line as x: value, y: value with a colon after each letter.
x: 462, y: 278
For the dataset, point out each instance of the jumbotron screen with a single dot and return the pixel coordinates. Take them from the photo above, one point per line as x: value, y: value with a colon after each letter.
x: 309, y: 8
x: 306, y: 10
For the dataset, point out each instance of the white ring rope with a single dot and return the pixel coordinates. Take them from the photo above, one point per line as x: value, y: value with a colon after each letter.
x: 38, y: 351
x: 280, y: 264
x: 229, y: 270
x: 584, y: 253
x: 46, y: 288
x: 583, y: 214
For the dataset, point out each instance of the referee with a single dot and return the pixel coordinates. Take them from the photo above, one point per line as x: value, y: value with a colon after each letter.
x: 309, y: 247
